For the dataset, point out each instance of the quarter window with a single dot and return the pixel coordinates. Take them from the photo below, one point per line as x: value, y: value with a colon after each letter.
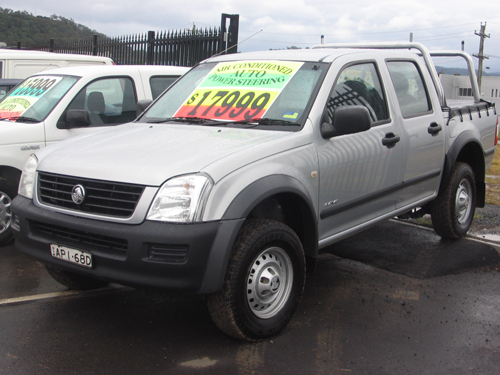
x: 359, y: 85
x: 160, y: 84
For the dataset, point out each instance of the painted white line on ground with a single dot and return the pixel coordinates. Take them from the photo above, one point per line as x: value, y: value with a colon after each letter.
x: 59, y: 295
x: 37, y: 297
x: 493, y: 244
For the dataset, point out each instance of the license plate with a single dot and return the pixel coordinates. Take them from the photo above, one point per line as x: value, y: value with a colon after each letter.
x: 82, y: 258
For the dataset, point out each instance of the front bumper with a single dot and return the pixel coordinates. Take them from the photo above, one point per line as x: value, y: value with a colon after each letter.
x: 183, y: 257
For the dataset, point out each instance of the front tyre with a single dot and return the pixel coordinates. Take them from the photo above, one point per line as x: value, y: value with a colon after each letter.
x: 264, y: 282
x: 453, y: 210
x: 8, y: 191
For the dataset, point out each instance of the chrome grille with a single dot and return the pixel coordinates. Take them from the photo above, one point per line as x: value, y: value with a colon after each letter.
x: 102, y: 197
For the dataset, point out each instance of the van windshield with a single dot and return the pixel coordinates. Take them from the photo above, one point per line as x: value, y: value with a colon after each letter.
x: 262, y: 94
x: 35, y: 97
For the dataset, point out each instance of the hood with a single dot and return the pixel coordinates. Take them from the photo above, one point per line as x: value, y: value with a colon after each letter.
x: 149, y: 154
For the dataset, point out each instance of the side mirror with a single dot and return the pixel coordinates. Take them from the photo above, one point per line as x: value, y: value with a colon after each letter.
x: 347, y: 120
x: 142, y: 105
x: 77, y: 118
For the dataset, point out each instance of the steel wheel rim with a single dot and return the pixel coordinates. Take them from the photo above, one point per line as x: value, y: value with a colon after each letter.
x: 5, y: 214
x: 463, y: 205
x: 269, y: 282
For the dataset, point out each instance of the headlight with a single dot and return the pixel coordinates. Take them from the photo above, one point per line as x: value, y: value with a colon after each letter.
x: 27, y: 183
x: 181, y: 199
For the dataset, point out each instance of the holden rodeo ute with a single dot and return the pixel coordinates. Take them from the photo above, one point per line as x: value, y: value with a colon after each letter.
x: 234, y: 178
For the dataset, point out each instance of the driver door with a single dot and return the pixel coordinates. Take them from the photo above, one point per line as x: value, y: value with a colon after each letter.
x: 360, y: 174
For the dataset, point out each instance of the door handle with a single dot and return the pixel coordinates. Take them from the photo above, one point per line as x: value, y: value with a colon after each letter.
x: 434, y: 129
x: 390, y: 140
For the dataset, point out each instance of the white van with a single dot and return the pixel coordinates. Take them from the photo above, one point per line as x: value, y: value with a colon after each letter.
x: 22, y: 64
x: 61, y: 103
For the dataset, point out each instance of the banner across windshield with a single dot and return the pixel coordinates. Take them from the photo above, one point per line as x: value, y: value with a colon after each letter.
x: 26, y: 95
x: 239, y: 91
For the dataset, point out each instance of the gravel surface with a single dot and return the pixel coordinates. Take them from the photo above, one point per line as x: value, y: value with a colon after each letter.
x: 486, y: 221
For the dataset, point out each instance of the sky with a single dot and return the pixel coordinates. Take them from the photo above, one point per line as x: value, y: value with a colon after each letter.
x: 278, y: 24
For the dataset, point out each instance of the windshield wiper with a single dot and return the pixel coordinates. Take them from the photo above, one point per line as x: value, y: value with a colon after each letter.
x: 216, y: 122
x: 19, y: 118
x: 201, y: 121
x: 26, y: 119
x: 196, y: 120
x: 272, y: 121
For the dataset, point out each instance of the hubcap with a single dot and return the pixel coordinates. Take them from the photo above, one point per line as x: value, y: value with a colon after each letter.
x: 5, y: 214
x: 463, y: 201
x: 269, y: 282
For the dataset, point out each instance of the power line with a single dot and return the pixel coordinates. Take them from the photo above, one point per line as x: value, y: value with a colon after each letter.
x: 369, y: 32
x: 443, y: 36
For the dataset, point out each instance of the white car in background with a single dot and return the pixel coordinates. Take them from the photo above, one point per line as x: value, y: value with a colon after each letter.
x: 15, y: 63
x: 61, y: 103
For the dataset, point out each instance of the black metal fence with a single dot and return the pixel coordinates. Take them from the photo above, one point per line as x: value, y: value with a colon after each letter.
x: 181, y: 47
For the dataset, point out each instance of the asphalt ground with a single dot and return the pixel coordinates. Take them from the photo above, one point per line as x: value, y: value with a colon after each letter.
x: 395, y: 299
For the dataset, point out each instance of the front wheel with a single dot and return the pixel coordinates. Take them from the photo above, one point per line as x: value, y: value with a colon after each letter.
x: 8, y: 191
x: 264, y: 282
x: 453, y: 210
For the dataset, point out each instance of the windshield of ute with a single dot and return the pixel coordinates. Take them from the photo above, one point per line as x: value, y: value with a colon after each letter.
x: 35, y: 98
x: 266, y: 94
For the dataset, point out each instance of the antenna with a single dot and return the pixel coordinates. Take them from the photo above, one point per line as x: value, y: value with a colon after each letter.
x: 237, y: 44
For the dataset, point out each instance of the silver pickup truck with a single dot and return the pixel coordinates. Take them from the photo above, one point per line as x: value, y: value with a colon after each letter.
x: 231, y: 181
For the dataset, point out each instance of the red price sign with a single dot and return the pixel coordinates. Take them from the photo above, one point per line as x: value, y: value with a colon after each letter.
x: 232, y: 105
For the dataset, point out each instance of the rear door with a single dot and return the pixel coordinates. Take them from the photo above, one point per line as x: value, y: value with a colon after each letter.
x: 422, y: 125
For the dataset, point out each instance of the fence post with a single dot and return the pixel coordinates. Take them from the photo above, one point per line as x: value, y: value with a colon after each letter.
x: 229, y: 38
x: 232, y: 40
x: 150, y: 53
x: 94, y: 45
x: 173, y: 48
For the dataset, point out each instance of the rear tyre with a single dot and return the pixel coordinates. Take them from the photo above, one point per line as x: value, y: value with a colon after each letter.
x: 73, y: 280
x: 453, y: 210
x: 264, y: 282
x: 8, y: 192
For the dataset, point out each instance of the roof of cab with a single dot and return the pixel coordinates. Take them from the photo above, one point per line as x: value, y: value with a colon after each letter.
x: 42, y: 55
x: 80, y: 71
x: 308, y: 55
x: 320, y: 53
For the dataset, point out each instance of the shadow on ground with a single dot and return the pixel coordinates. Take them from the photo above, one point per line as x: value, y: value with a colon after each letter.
x: 414, y: 252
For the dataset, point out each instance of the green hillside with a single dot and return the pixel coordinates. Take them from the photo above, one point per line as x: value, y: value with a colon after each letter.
x: 24, y: 27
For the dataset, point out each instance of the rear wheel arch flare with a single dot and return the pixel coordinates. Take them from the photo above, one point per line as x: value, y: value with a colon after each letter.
x: 466, y: 149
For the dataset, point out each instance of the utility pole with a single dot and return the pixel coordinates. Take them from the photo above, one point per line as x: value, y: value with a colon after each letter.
x: 482, y: 35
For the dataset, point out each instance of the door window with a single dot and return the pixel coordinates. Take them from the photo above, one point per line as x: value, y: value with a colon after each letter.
x: 109, y: 101
x: 359, y: 85
x: 410, y: 89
